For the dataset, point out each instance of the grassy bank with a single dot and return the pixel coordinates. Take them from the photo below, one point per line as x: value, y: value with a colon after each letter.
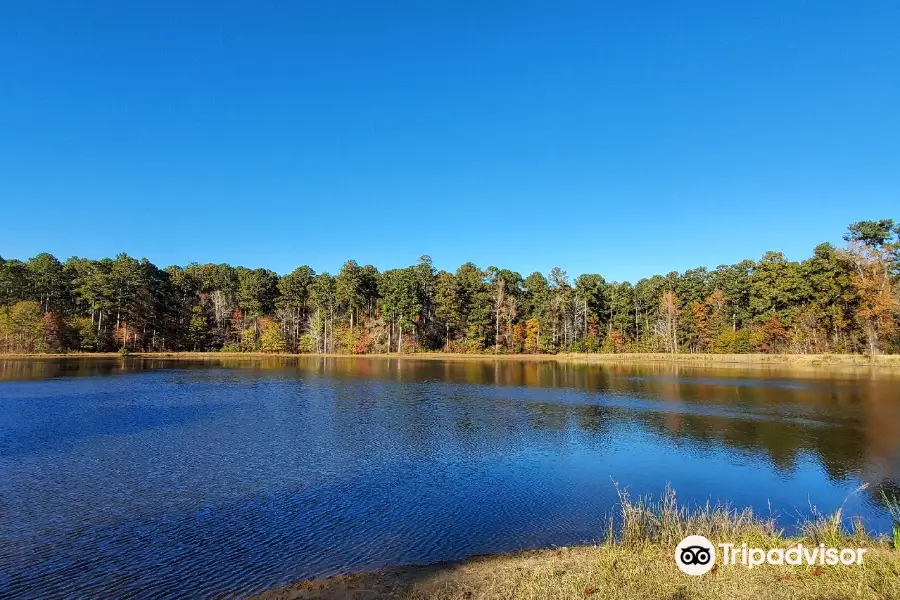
x: 637, y: 562
x: 709, y: 360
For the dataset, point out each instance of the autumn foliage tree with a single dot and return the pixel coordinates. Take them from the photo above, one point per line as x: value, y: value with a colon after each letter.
x: 695, y: 324
x: 878, y: 304
x: 22, y: 328
x: 271, y: 339
x: 769, y: 336
x: 53, y: 332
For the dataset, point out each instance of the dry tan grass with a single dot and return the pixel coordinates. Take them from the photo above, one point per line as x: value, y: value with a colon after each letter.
x: 816, y: 361
x: 608, y: 571
x: 892, y: 504
x: 646, y: 521
x: 793, y: 361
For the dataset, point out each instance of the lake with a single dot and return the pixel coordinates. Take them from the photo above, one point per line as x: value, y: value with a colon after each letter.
x: 158, y: 478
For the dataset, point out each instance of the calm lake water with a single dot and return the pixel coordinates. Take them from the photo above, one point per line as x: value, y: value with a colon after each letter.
x: 149, y: 478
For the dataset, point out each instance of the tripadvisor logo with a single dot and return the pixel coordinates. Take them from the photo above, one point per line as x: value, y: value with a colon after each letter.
x: 696, y: 555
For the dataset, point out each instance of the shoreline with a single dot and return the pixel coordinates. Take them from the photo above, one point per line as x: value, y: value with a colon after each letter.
x: 816, y: 361
x: 635, y: 561
x: 646, y: 572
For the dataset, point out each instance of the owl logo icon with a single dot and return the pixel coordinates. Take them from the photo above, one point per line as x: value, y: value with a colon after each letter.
x: 695, y: 555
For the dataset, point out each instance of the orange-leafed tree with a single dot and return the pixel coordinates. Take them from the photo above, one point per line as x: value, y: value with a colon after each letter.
x: 532, y: 335
x: 615, y: 341
x: 696, y: 326
x: 878, y: 301
x: 770, y: 336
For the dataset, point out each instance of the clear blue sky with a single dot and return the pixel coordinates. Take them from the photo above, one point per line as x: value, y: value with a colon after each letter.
x: 625, y: 138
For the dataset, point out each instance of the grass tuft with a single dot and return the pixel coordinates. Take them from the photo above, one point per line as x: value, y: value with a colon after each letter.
x: 892, y: 504
x: 663, y: 521
x: 827, y: 529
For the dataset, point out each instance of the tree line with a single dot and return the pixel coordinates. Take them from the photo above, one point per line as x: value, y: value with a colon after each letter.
x: 841, y: 300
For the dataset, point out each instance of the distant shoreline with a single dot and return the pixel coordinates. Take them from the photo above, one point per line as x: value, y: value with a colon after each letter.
x: 890, y: 361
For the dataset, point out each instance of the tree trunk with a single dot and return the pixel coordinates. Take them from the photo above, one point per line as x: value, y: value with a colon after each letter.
x: 585, y: 319
x: 99, y: 322
x: 872, y: 337
x: 637, y: 324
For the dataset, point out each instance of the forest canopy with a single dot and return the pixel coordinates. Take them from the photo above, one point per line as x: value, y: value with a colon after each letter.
x: 843, y: 300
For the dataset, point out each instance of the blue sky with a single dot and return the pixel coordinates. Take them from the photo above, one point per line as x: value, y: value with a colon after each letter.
x: 625, y: 138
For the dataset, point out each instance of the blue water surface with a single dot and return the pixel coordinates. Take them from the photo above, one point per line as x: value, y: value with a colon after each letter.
x: 171, y: 479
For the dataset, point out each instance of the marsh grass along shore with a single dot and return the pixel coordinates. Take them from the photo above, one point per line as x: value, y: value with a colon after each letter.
x: 889, y: 362
x: 636, y: 561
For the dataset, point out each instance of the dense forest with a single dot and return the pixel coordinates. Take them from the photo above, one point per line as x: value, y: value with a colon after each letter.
x: 838, y: 300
